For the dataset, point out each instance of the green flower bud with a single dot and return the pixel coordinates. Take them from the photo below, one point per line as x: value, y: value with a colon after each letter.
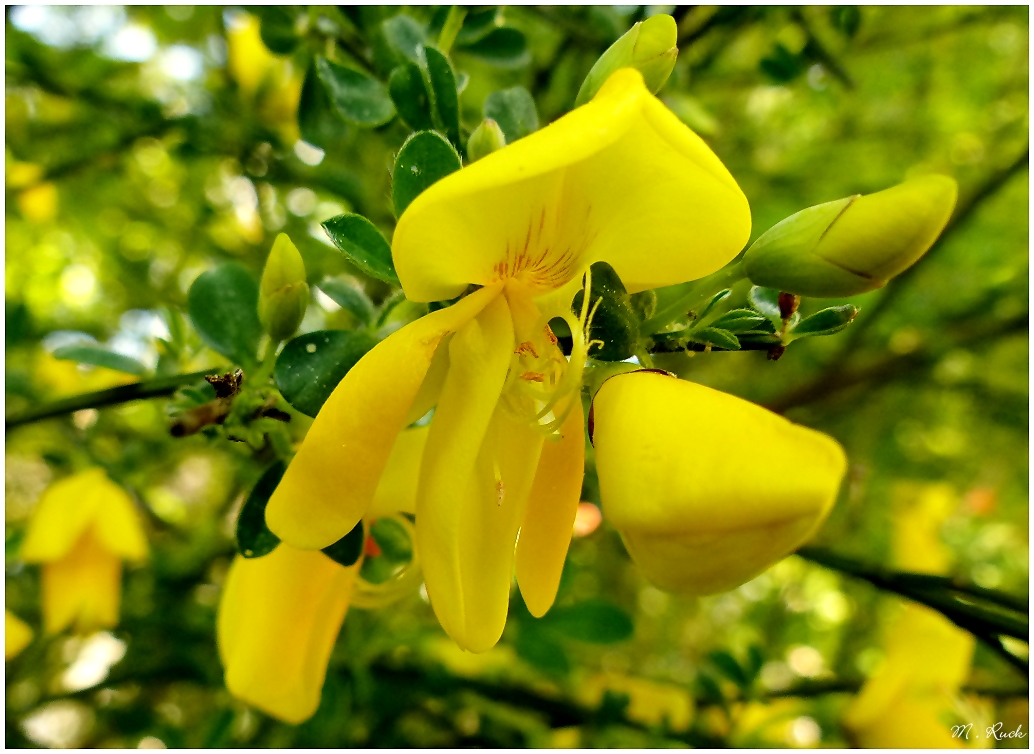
x: 649, y: 47
x: 487, y: 138
x: 853, y: 245
x: 283, y: 293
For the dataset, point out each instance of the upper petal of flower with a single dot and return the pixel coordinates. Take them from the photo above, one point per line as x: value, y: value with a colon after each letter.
x: 83, y: 588
x: 332, y: 480
x: 620, y: 179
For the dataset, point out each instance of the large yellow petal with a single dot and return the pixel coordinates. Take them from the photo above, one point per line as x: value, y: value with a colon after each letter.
x: 477, y: 469
x: 707, y: 489
x: 17, y: 635
x: 549, y: 518
x: 333, y: 478
x: 279, y: 617
x: 620, y: 179
x: 83, y: 588
x: 64, y: 512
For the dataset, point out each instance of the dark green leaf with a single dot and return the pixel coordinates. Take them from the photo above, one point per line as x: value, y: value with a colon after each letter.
x: 782, y: 65
x: 593, y: 621
x: 714, y: 300
x: 503, y: 46
x: 424, y: 159
x: 346, y: 551
x: 254, y: 539
x: 223, y: 306
x: 755, y: 661
x: 539, y: 649
x: 712, y: 336
x: 359, y: 98
x: 825, y: 322
x: 277, y: 28
x: 100, y: 357
x: 708, y: 689
x: 311, y: 366
x: 318, y: 120
x: 729, y: 667
x: 477, y: 25
x: 766, y: 301
x: 739, y: 320
x: 441, y: 83
x: 363, y: 244
x: 409, y: 93
x: 404, y: 35
x: 615, y: 323
x: 350, y: 298
x: 514, y: 110
x: 846, y: 19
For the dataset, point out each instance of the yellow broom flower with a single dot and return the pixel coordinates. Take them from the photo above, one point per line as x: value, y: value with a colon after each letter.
x: 17, y: 635
x: 620, y: 179
x: 82, y: 529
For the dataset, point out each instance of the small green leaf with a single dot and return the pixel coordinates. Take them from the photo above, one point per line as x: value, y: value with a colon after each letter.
x: 441, y: 83
x: 363, y: 244
x: 714, y: 300
x: 615, y: 323
x: 223, y: 307
x: 514, y: 110
x: 360, y: 99
x: 318, y: 120
x: 277, y: 28
x: 503, y: 46
x: 409, y: 93
x: 739, y: 320
x: 346, y: 551
x: 824, y: 322
x: 766, y: 301
x: 350, y: 298
x: 593, y: 621
x: 712, y: 336
x: 404, y: 35
x: 254, y: 539
x: 729, y: 667
x: 424, y: 159
x: 311, y: 366
x: 100, y: 357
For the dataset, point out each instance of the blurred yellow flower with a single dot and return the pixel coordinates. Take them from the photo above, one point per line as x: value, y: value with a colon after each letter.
x: 270, y: 80
x: 81, y: 530
x: 17, y: 634
x: 620, y: 179
x: 38, y: 204
x: 649, y: 702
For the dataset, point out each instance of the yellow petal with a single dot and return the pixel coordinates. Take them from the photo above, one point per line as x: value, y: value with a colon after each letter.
x: 620, y: 179
x: 909, y: 723
x: 17, y: 635
x: 82, y: 588
x: 549, y: 518
x: 476, y: 473
x: 707, y: 490
x: 117, y: 523
x: 279, y: 617
x: 332, y: 480
x: 397, y: 488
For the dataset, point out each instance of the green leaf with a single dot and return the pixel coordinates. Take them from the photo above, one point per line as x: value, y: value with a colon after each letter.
x: 409, y: 93
x: 254, y: 539
x: 782, y: 65
x: 739, y: 320
x: 277, y: 28
x: 714, y: 300
x: 441, y: 83
x: 593, y: 621
x: 824, y: 322
x: 846, y: 19
x: 350, y: 298
x: 712, y: 336
x: 766, y: 301
x: 540, y: 650
x: 346, y: 551
x: 477, y: 25
x: 615, y: 323
x: 729, y: 667
x: 100, y: 357
x: 311, y: 366
x: 223, y: 307
x: 424, y: 159
x: 360, y: 99
x: 404, y: 35
x: 514, y: 110
x: 503, y: 46
x: 755, y: 661
x: 363, y: 244
x: 318, y: 120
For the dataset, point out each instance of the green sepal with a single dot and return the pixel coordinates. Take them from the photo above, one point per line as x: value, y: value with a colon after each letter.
x: 254, y: 539
x: 346, y: 551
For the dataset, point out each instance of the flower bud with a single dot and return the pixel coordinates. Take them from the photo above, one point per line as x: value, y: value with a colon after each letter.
x: 853, y: 245
x: 487, y: 138
x: 283, y: 293
x: 706, y: 489
x: 649, y: 47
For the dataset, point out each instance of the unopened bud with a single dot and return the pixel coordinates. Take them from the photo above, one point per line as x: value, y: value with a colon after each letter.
x: 853, y: 245
x: 649, y: 47
x: 486, y: 138
x: 283, y: 293
x: 707, y: 489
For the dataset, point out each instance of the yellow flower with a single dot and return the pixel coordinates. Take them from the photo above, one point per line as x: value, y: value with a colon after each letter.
x: 278, y: 620
x: 706, y: 489
x: 81, y: 530
x: 621, y: 180
x: 17, y: 634
x: 908, y: 702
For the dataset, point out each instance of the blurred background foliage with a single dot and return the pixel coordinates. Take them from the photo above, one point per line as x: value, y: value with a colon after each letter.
x: 147, y: 144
